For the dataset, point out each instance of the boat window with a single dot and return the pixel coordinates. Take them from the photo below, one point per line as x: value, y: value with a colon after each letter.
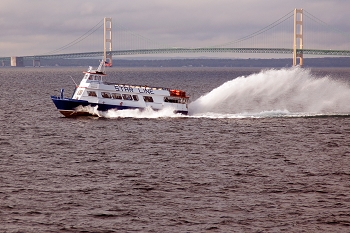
x: 116, y: 96
x: 175, y: 100
x: 92, y: 93
x: 127, y: 97
x: 91, y: 77
x: 80, y: 92
x: 148, y: 98
x: 135, y: 97
x: 171, y: 100
x: 106, y: 94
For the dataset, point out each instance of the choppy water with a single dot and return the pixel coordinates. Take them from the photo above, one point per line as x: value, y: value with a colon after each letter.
x: 261, y: 151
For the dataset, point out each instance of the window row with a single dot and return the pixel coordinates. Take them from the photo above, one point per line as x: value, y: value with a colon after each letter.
x: 120, y: 96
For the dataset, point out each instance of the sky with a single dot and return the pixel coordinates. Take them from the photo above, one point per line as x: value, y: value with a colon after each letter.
x: 39, y: 26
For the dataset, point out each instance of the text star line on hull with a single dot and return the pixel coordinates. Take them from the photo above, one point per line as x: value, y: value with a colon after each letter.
x: 93, y: 91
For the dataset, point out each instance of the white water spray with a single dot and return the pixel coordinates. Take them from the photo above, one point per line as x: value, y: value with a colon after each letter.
x: 132, y: 113
x: 291, y: 91
x: 136, y: 113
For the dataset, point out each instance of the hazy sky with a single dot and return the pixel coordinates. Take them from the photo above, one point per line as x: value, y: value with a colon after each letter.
x: 31, y: 27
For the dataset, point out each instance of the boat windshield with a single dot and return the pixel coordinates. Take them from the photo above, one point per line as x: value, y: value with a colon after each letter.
x: 95, y: 77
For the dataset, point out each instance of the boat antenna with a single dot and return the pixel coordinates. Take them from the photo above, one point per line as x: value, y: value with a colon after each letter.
x: 73, y: 81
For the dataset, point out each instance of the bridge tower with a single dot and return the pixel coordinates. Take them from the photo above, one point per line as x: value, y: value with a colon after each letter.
x: 298, y: 36
x: 107, y: 41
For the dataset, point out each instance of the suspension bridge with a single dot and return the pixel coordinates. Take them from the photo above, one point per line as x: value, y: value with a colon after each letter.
x: 261, y: 41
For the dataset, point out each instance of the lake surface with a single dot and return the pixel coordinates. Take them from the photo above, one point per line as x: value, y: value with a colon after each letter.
x: 261, y: 151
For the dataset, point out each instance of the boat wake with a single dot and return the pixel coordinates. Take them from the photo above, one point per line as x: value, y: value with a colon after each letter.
x: 288, y: 92
x: 133, y: 113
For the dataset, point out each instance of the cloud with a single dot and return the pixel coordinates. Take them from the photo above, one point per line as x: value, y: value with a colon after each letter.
x: 38, y: 26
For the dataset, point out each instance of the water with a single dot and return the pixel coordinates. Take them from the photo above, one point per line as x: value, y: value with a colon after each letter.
x: 261, y: 151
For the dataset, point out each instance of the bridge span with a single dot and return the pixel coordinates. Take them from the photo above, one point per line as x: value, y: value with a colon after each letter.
x: 188, y: 50
x: 298, y: 50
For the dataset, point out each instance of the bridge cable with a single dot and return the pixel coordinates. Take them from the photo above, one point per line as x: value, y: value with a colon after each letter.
x: 268, y: 27
x: 138, y: 36
x: 79, y: 39
x: 317, y: 20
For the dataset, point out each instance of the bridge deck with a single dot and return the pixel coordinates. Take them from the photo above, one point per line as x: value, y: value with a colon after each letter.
x: 190, y: 50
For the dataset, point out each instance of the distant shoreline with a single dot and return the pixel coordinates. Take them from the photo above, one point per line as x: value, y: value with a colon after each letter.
x: 199, y: 62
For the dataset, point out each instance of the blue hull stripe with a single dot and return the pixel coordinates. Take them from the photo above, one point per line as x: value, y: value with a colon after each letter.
x: 70, y: 105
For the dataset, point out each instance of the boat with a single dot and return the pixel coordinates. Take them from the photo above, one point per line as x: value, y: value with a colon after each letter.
x: 94, y: 93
